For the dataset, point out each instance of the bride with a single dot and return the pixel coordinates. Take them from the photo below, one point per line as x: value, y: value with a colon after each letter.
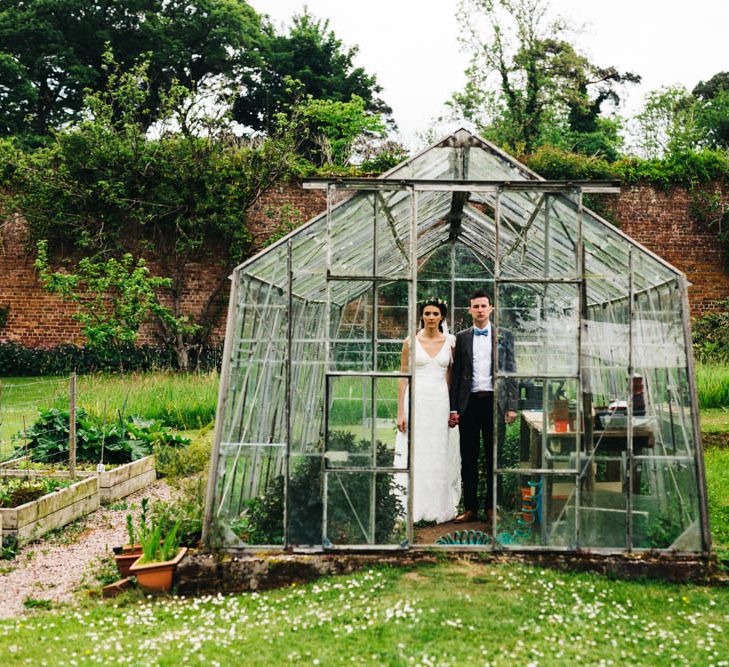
x: 436, y: 461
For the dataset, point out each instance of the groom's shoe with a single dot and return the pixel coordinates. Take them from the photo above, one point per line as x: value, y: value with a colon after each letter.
x: 466, y: 517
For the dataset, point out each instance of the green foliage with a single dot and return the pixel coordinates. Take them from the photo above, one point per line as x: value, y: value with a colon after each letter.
x: 36, y: 603
x: 16, y: 491
x: 674, y: 121
x: 158, y: 545
x: 120, y: 441
x: 180, y: 400
x: 52, y: 52
x: 18, y: 360
x: 184, y: 462
x: 113, y: 297
x: 184, y: 514
x: 330, y: 128
x: 309, y: 61
x: 105, y: 570
x: 711, y: 335
x: 687, y: 169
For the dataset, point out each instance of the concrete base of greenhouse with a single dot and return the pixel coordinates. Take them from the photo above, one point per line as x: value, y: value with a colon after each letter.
x: 202, y: 573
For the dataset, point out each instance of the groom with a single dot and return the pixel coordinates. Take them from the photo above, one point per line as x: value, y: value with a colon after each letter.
x: 472, y: 399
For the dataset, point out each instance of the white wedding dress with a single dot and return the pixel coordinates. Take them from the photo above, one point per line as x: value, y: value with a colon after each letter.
x: 436, y: 464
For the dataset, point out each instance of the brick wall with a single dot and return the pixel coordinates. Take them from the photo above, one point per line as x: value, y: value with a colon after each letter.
x: 660, y: 221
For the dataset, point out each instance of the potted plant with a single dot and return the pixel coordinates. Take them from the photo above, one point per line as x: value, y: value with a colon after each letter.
x: 130, y: 551
x: 155, y: 568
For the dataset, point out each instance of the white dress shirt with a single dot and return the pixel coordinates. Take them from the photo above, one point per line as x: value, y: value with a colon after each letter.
x: 482, y: 380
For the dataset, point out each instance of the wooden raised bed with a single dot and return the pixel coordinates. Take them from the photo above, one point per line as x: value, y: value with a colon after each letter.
x: 115, y: 483
x: 124, y: 480
x: 55, y: 510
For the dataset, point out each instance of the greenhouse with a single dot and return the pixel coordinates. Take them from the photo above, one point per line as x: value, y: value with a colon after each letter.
x: 605, y: 453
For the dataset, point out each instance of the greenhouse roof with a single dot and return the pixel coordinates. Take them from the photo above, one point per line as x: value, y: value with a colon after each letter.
x: 458, y: 183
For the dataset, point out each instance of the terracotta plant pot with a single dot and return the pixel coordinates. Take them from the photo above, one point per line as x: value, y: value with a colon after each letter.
x: 126, y: 557
x: 156, y: 576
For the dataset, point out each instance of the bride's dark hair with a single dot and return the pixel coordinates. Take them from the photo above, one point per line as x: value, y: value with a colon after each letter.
x: 440, y: 304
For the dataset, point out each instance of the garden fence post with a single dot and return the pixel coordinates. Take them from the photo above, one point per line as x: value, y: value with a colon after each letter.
x: 72, y: 427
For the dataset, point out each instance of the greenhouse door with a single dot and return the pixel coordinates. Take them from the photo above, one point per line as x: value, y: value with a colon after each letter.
x: 370, y: 287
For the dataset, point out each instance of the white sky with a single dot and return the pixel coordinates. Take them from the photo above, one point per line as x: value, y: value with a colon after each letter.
x: 412, y: 45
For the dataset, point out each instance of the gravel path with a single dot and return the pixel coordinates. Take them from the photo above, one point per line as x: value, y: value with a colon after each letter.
x: 53, y: 569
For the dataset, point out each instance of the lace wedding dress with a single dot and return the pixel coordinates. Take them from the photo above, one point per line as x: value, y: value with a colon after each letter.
x: 436, y: 464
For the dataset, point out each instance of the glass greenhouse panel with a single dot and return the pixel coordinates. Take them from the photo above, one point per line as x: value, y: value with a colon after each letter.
x: 349, y: 422
x: 254, y: 410
x: 392, y: 322
x: 250, y: 485
x: 364, y: 508
x: 351, y: 236
x: 539, y: 235
x: 385, y: 432
x: 603, y: 501
x: 668, y: 408
x: 351, y: 330
x: 454, y: 272
x: 666, y: 505
x: 535, y: 510
x: 658, y: 332
x: 540, y: 323
x: 545, y: 433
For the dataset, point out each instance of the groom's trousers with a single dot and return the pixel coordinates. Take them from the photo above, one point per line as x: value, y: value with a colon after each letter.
x: 476, y: 430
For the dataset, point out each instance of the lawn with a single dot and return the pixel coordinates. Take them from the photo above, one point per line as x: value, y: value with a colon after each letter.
x: 453, y: 613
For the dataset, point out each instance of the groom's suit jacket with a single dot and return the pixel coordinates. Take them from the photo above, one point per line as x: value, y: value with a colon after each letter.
x: 462, y: 371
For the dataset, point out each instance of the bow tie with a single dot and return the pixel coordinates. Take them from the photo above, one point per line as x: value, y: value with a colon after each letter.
x: 480, y: 332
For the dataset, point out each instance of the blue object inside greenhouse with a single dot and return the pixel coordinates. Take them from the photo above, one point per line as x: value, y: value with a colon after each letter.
x: 465, y: 537
x: 530, y: 515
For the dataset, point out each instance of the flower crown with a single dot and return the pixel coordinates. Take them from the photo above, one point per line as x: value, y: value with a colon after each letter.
x: 432, y: 300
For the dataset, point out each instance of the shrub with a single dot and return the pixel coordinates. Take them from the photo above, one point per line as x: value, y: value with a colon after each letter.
x: 17, y: 360
x: 711, y: 335
x: 184, y: 462
x: 261, y: 522
x: 185, y: 512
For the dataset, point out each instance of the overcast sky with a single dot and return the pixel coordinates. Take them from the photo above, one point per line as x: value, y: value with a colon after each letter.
x: 412, y: 45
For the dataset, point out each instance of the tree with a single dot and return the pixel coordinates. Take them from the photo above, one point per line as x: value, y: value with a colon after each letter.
x: 667, y: 124
x: 309, y: 61
x: 330, y: 128
x: 714, y: 109
x: 51, y: 51
x: 527, y: 84
x: 104, y: 188
x: 114, y: 296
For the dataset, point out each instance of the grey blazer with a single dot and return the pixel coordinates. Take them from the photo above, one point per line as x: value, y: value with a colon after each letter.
x: 462, y: 371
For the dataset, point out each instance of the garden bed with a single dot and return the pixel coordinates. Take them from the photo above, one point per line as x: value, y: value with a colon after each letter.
x: 125, y: 479
x: 54, y: 510
x: 118, y: 481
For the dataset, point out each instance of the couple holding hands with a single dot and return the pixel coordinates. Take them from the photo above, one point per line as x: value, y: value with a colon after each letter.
x: 454, y: 379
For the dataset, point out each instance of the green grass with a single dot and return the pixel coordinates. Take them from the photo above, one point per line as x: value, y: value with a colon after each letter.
x: 712, y: 385
x: 716, y: 460
x: 455, y: 613
x: 715, y: 420
x: 181, y: 400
